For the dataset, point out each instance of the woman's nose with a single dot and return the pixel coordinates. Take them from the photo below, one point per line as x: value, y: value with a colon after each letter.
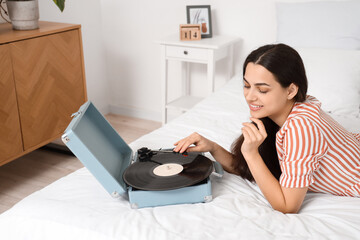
x: 250, y: 95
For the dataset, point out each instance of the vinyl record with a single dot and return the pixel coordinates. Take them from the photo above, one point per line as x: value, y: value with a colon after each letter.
x: 168, y: 171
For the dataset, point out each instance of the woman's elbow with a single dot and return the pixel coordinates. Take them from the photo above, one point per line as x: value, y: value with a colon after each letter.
x: 288, y: 210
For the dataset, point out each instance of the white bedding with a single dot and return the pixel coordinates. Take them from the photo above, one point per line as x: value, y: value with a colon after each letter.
x: 77, y: 206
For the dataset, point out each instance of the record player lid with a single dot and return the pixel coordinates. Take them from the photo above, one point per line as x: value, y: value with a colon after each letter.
x: 99, y: 147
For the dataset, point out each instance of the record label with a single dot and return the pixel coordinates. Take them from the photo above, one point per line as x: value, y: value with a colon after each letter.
x: 168, y: 169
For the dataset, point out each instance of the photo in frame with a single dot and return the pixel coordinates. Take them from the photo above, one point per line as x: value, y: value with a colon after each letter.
x: 200, y: 14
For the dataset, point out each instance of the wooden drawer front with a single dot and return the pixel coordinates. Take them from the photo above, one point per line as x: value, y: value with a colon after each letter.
x: 187, y: 53
x: 49, y: 84
x: 10, y: 134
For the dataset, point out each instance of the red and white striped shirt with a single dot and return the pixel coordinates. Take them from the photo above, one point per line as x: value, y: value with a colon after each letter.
x: 316, y: 152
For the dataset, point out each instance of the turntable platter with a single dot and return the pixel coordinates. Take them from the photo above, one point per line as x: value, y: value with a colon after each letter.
x: 167, y: 174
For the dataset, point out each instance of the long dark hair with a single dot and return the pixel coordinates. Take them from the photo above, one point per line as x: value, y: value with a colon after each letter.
x: 287, y: 67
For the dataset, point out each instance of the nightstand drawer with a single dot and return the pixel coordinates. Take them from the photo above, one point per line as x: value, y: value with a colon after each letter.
x: 187, y: 53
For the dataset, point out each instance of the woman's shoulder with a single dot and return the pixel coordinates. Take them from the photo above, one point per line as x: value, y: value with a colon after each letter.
x: 310, y: 104
x: 303, y: 115
x: 298, y: 129
x: 299, y: 121
x: 310, y: 108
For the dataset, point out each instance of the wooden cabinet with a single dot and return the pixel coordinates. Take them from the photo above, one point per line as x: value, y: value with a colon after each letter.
x: 10, y: 132
x: 42, y: 82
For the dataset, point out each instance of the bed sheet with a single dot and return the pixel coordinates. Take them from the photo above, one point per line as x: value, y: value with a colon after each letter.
x: 77, y: 206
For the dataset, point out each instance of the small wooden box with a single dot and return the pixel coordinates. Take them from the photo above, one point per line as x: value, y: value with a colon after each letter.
x: 190, y: 32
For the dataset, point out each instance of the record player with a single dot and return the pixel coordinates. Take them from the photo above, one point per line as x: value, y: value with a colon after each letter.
x: 156, y: 177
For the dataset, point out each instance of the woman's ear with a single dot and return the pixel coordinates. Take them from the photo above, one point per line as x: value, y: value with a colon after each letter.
x: 292, y: 91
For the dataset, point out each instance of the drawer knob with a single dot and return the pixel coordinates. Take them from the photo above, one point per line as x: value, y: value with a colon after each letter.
x: 186, y: 52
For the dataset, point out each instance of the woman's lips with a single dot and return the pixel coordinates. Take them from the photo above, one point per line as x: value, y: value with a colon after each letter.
x: 254, y: 107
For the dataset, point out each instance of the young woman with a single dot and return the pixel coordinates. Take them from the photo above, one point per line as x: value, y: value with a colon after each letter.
x: 291, y: 146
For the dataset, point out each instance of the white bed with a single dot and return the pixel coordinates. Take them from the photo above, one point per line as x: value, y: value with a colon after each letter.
x: 77, y: 206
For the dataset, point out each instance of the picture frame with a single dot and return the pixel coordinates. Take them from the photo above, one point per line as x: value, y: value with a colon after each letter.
x: 200, y: 14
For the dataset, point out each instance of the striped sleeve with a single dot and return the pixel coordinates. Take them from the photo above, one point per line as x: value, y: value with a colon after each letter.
x: 304, y: 145
x: 357, y: 136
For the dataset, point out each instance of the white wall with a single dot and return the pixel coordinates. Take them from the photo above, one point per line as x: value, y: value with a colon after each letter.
x: 88, y: 14
x: 131, y: 28
x: 122, y: 58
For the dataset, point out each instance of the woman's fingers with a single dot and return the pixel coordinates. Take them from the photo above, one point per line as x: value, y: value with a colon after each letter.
x: 200, y: 143
x: 255, y: 131
x: 258, y: 130
x: 246, y: 134
x: 183, y: 144
x: 193, y: 149
x: 261, y: 126
x: 254, y: 135
x: 178, y: 145
x: 252, y: 139
x: 251, y: 135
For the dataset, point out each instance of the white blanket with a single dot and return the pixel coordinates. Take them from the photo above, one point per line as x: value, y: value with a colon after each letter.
x: 77, y: 206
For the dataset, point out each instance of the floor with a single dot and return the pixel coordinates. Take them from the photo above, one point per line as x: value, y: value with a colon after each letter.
x: 39, y: 168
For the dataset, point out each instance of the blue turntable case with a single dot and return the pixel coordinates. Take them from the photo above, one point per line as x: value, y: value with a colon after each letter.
x: 106, y: 155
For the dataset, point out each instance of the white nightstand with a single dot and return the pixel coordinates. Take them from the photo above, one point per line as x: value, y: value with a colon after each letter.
x: 207, y: 51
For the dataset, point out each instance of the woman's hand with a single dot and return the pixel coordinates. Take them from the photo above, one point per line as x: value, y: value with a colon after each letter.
x: 201, y: 144
x: 253, y: 137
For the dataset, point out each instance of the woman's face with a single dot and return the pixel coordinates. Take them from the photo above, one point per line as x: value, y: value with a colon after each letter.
x: 265, y: 96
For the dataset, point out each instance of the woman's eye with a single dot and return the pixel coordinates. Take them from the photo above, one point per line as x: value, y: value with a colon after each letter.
x: 246, y: 86
x: 263, y: 91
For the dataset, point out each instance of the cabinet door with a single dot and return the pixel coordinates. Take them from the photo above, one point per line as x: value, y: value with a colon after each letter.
x: 10, y: 134
x: 49, y: 83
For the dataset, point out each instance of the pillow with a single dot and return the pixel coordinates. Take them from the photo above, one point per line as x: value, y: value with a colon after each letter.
x: 334, y: 78
x: 322, y: 24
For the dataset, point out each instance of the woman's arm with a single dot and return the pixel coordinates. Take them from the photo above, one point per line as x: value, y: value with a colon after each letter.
x: 286, y: 200
x: 203, y: 144
x: 224, y: 157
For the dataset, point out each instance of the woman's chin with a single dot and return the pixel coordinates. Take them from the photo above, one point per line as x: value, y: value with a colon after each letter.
x: 257, y: 114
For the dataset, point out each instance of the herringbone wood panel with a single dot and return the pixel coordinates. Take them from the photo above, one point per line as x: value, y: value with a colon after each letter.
x: 49, y: 83
x: 10, y: 134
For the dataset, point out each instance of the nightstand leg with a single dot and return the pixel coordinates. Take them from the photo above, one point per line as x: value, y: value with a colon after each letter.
x: 185, y: 74
x: 211, y: 72
x: 164, y: 83
x: 231, y: 61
